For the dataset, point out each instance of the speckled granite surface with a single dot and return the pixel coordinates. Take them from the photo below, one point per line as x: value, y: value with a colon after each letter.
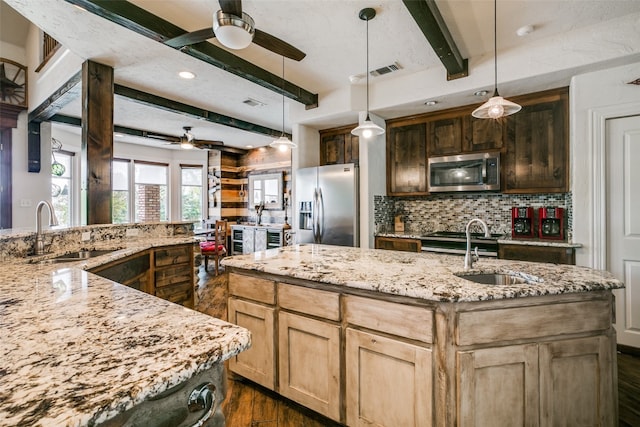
x: 506, y: 239
x: 77, y: 349
x: 420, y: 275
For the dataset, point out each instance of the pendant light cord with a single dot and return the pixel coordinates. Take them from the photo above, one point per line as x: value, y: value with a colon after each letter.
x: 495, y: 47
x: 282, y: 95
x: 367, y: 70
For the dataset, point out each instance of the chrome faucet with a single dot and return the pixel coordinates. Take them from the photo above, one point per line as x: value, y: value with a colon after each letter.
x: 259, y: 209
x: 39, y: 249
x: 468, y: 256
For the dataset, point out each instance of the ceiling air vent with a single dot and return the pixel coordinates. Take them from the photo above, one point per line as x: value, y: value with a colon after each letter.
x: 253, y: 102
x: 386, y: 70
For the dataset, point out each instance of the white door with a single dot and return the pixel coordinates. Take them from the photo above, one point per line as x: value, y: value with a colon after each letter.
x: 623, y: 223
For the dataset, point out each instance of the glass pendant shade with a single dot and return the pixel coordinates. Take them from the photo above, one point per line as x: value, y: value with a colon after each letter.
x: 283, y: 143
x: 367, y: 129
x: 233, y: 31
x: 495, y: 108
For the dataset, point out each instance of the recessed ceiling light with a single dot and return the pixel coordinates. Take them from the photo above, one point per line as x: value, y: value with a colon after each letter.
x: 187, y: 75
x: 430, y: 103
x: 525, y: 30
x: 481, y: 93
x: 118, y: 135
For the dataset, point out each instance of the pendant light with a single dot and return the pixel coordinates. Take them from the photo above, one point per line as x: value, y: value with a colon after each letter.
x: 367, y: 129
x: 283, y: 143
x: 496, y: 106
x: 186, y: 142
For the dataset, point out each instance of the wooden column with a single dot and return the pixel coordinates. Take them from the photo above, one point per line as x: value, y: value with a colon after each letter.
x: 97, y: 142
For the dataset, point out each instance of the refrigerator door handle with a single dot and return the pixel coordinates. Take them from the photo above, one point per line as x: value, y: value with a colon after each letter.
x: 314, y: 216
x: 320, y: 215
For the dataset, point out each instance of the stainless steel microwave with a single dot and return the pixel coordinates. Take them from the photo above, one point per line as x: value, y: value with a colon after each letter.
x: 465, y: 172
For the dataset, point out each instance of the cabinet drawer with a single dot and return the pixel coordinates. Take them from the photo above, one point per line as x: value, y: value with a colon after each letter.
x: 173, y: 255
x: 172, y: 275
x: 309, y: 301
x: 252, y: 288
x: 180, y: 293
x: 477, y: 327
x: 402, y: 320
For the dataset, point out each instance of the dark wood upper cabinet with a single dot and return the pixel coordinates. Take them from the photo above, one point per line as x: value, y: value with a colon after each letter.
x: 444, y: 136
x: 482, y: 134
x: 537, y: 144
x: 339, y: 146
x: 406, y: 159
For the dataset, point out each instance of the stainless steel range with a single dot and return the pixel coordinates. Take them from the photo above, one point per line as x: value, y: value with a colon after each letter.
x: 452, y: 242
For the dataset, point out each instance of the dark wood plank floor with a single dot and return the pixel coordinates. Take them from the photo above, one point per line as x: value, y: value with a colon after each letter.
x: 250, y: 405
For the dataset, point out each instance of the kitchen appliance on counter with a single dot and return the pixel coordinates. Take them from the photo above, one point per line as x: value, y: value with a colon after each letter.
x: 551, y: 223
x: 465, y: 172
x: 453, y: 242
x: 327, y: 205
x: 522, y: 222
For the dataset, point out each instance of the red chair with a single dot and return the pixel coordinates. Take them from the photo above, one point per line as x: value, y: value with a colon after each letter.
x: 216, y: 248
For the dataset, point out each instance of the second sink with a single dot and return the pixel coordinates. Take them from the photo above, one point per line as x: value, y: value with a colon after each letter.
x: 495, y: 279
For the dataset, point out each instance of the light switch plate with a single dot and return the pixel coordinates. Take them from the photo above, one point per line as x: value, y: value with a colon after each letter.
x: 131, y: 232
x: 86, y: 236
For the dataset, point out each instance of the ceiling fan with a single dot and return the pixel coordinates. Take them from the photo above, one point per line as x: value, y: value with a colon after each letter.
x: 187, y: 141
x: 236, y: 30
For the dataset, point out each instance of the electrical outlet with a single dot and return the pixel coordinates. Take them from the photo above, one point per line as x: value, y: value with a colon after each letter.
x: 131, y: 232
x: 86, y: 236
x: 25, y: 203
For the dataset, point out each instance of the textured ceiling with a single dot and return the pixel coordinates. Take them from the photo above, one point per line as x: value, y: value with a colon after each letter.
x: 328, y: 31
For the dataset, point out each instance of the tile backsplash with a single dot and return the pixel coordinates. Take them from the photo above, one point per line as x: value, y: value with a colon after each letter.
x: 451, y: 212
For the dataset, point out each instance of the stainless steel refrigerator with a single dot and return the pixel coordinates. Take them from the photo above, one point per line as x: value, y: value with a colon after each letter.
x: 327, y: 205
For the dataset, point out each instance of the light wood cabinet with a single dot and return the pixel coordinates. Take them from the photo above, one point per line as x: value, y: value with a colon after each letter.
x: 499, y: 386
x: 398, y: 244
x: 339, y: 146
x: 575, y: 383
x: 258, y: 362
x: 388, y: 382
x: 406, y: 159
x: 309, y: 363
x: 537, y: 144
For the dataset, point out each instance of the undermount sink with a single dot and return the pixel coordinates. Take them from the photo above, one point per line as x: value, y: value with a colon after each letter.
x: 495, y: 279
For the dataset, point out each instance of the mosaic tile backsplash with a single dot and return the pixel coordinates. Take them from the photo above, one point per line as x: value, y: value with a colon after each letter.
x: 451, y: 212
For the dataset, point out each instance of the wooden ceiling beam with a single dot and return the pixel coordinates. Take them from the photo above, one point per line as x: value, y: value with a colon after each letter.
x: 432, y: 25
x: 69, y: 91
x: 149, y: 25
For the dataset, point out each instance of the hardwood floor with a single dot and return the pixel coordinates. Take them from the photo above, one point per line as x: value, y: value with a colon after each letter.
x: 250, y: 405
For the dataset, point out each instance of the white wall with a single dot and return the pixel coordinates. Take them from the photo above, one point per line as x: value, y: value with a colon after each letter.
x: 592, y: 94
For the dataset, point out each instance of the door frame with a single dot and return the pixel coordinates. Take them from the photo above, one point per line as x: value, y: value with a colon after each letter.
x: 598, y: 137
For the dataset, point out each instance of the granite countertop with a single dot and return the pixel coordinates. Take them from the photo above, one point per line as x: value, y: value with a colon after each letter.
x: 506, y: 239
x: 78, y: 349
x: 425, y: 276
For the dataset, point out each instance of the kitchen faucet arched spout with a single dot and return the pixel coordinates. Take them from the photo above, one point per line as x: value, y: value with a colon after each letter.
x: 468, y: 256
x: 53, y: 220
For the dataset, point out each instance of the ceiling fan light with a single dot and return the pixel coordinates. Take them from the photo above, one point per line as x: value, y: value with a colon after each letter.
x: 186, y: 145
x: 367, y: 130
x: 233, y: 31
x: 495, y: 108
x: 283, y: 143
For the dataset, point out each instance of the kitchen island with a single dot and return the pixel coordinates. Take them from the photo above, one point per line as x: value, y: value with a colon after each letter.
x: 394, y: 338
x: 78, y: 349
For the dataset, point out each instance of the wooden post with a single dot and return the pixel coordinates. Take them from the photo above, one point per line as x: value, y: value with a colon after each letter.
x: 97, y: 142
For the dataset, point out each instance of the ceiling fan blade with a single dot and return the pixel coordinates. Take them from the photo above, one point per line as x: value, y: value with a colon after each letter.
x: 233, y: 7
x: 207, y: 144
x: 161, y: 137
x: 191, y: 38
x: 278, y: 46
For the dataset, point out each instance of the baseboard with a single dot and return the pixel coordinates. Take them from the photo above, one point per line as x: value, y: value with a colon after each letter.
x: 626, y: 349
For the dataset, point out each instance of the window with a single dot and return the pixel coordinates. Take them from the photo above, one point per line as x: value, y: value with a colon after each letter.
x: 191, y: 196
x: 152, y: 200
x: 120, y: 211
x: 62, y: 187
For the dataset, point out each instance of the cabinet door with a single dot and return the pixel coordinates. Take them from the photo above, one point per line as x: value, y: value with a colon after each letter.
x: 445, y: 136
x: 556, y: 255
x: 332, y: 148
x: 258, y: 362
x: 407, y: 160
x: 482, y: 134
x: 576, y: 383
x: 247, y: 240
x: 260, y: 239
x: 537, y: 156
x: 309, y: 363
x: 498, y: 386
x: 398, y: 244
x: 389, y: 383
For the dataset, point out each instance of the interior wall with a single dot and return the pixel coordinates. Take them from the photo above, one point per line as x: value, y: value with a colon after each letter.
x: 589, y: 94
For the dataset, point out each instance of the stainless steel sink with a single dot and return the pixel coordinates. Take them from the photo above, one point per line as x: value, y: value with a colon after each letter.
x: 494, y: 279
x: 80, y: 255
